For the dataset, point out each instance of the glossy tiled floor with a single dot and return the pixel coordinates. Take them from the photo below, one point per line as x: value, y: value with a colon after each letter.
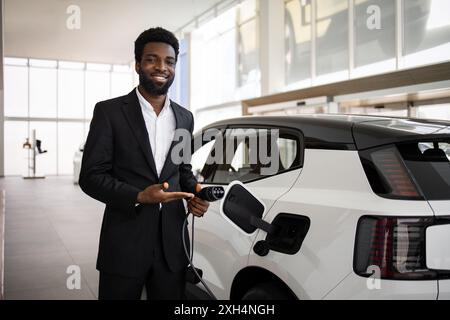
x: 50, y: 224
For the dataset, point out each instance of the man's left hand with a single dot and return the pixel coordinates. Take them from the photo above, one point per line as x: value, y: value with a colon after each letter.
x: 198, y: 206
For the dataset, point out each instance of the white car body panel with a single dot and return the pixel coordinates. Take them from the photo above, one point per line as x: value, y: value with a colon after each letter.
x: 355, y: 287
x: 326, y: 255
x: 221, y: 250
x: 323, y: 268
x: 444, y: 290
x: 441, y: 208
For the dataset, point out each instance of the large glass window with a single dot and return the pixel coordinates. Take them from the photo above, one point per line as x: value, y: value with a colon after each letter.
x: 57, y: 91
x: 438, y: 111
x: 386, y: 35
x: 43, y: 87
x: 225, y: 63
x: 16, y: 157
x: 70, y: 94
x: 97, y: 89
x: 248, y: 54
x: 16, y: 91
x: 47, y: 134
x: 426, y: 31
x: 387, y: 110
x: 207, y: 116
x: 331, y: 40
x: 374, y: 36
x: 298, y: 35
x: 70, y: 137
x: 248, y: 64
x: 179, y: 91
x: 213, y: 54
x: 121, y: 81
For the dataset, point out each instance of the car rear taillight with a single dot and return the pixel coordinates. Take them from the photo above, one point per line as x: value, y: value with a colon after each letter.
x: 394, y: 245
x: 388, y: 175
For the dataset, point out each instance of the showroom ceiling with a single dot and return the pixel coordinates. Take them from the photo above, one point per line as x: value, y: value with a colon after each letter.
x: 107, y: 28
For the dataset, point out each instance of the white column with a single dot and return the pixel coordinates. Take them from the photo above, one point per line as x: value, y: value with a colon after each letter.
x: 271, y: 45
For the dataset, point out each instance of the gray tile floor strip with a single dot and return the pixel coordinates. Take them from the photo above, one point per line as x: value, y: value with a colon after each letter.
x: 49, y: 225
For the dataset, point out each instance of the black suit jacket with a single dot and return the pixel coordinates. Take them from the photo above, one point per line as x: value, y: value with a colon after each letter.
x: 117, y: 164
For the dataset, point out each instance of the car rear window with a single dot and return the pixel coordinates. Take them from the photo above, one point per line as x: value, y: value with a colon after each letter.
x: 429, y: 164
x: 412, y: 170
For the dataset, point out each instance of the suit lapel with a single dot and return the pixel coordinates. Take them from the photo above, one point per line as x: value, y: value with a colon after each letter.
x: 133, y: 113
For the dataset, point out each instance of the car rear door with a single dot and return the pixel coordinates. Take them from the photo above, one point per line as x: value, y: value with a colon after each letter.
x: 221, y: 250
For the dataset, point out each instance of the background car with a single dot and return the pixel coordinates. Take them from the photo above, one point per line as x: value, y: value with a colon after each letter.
x: 77, y: 157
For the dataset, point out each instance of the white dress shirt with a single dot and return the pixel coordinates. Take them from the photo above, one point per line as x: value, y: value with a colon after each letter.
x: 160, y: 128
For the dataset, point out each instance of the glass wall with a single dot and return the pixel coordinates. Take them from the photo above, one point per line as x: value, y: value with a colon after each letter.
x: 56, y: 98
x: 248, y: 56
x: 121, y: 78
x: 426, y: 31
x: 212, y: 43
x: 437, y: 111
x: 298, y: 34
x: 46, y: 163
x: 16, y: 157
x: 225, y: 59
x: 204, y: 117
x: 179, y: 91
x: 97, y: 87
x: 69, y: 134
x: 355, y: 38
x: 16, y: 90
x: 331, y: 40
x: 399, y: 110
x: 70, y: 93
x: 43, y: 88
x: 374, y: 32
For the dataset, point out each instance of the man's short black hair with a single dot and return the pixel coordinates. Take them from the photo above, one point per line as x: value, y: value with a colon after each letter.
x: 157, y: 34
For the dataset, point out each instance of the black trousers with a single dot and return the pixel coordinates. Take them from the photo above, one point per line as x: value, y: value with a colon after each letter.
x: 160, y: 282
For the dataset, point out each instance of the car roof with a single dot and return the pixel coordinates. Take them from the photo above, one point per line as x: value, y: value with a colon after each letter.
x: 347, y: 132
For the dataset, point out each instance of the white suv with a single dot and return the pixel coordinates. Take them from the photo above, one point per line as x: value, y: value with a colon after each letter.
x: 361, y: 205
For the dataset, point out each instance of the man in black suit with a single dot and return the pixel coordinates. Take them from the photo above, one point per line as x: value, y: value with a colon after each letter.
x: 127, y: 165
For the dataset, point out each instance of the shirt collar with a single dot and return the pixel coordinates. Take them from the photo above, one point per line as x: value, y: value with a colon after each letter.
x: 147, y: 106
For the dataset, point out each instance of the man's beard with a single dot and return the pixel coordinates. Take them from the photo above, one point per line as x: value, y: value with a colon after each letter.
x: 151, y: 87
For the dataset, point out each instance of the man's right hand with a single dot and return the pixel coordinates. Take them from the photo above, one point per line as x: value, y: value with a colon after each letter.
x: 156, y: 194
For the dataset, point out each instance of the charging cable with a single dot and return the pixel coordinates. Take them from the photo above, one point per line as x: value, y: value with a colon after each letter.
x: 190, y: 256
x: 209, y: 194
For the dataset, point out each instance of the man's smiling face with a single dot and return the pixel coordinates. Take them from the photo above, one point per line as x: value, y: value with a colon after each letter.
x: 157, y: 68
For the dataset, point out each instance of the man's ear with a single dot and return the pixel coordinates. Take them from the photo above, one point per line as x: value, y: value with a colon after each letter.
x: 137, y: 67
